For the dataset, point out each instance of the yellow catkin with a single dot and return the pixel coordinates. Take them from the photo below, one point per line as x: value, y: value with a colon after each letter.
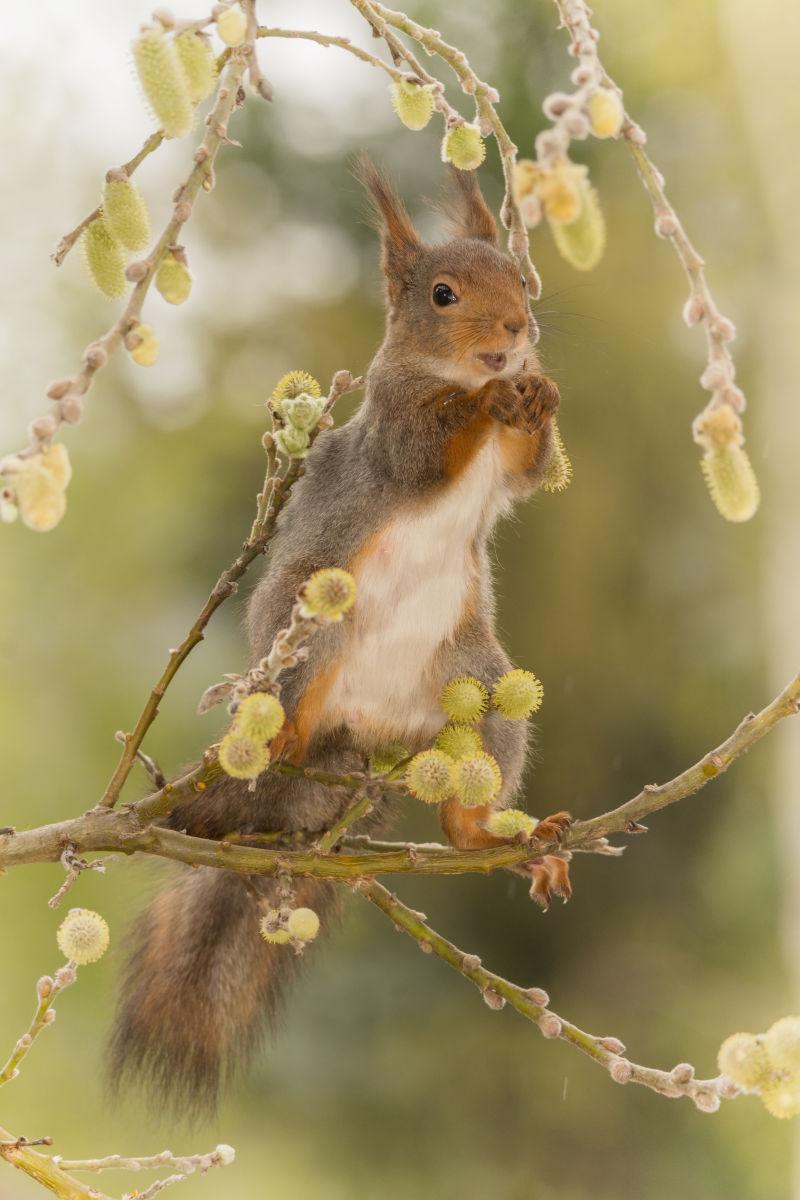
x: 232, y: 26
x: 561, y: 192
x: 41, y: 501
x: 295, y: 383
x: 412, y: 103
x: 329, y: 593
x: 199, y: 64
x: 173, y: 279
x: 731, y: 482
x: 429, y: 776
x: 105, y: 259
x: 126, y: 213
x: 582, y: 241
x: 83, y: 936
x: 525, y: 177
x: 510, y: 822
x: 559, y: 472
x: 517, y: 694
x: 606, y: 113
x: 477, y: 779
x: 260, y: 716
x: 163, y: 81
x: 464, y: 147
x: 743, y: 1058
x: 145, y: 352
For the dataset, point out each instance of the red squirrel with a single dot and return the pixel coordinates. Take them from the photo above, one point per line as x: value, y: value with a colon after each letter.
x: 455, y: 426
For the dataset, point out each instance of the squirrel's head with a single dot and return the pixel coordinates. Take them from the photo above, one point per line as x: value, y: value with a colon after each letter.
x: 460, y: 307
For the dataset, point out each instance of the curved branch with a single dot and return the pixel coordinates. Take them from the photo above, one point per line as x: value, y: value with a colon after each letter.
x: 131, y: 831
x: 531, y: 1003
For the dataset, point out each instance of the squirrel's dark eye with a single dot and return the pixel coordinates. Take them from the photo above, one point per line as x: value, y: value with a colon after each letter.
x: 444, y: 295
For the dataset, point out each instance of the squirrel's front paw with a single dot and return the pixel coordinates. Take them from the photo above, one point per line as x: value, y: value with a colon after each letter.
x: 539, y: 398
x: 502, y: 400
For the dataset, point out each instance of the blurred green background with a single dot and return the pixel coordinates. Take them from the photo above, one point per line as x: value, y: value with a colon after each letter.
x: 654, y: 625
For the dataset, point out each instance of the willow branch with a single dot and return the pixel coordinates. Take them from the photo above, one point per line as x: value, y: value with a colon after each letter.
x: 45, y: 1170
x: 485, y: 100
x: 69, y: 239
x: 200, y: 178
x: 701, y: 307
x: 324, y: 39
x: 531, y: 1003
x: 130, y: 831
x: 270, y: 501
x: 47, y: 991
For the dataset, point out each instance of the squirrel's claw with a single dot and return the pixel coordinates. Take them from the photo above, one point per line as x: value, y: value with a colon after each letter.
x: 549, y: 877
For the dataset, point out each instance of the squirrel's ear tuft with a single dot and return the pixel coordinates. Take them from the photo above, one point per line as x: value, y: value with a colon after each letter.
x: 470, y: 216
x: 399, y: 239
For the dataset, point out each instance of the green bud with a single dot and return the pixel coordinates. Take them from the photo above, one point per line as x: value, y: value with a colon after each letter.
x: 105, y: 259
x: 173, y: 279
x: 126, y: 213
x: 464, y: 699
x: 163, y: 81
x: 292, y: 442
x: 582, y: 241
x: 412, y: 103
x: 199, y: 64
x: 464, y: 147
x: 303, y: 411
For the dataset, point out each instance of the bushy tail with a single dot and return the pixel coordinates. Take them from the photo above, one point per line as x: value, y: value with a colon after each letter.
x: 201, y: 986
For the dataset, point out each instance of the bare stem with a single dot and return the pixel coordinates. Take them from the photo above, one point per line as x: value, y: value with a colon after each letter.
x: 531, y: 1003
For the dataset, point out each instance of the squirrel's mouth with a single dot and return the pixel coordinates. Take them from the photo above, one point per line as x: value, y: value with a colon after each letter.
x: 494, y: 362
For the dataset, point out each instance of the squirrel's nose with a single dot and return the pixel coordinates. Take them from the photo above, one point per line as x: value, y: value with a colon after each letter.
x: 514, y: 327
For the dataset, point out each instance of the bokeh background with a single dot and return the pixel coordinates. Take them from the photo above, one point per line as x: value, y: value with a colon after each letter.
x: 654, y: 625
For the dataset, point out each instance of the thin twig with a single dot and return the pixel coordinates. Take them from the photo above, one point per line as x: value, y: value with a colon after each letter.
x: 531, y: 1003
x: 47, y: 991
x: 271, y: 500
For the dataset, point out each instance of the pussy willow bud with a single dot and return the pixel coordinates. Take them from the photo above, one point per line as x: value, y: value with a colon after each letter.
x: 464, y: 699
x: 464, y: 147
x: 559, y: 471
x: 386, y: 758
x: 781, y: 1098
x: 458, y: 741
x: 241, y: 756
x: 142, y: 344
x: 303, y: 924
x: 126, y: 213
x: 329, y: 594
x: 560, y: 191
x: 303, y: 412
x: 295, y: 383
x: 477, y: 779
x: 412, y: 103
x: 58, y: 389
x: 260, y: 716
x: 226, y: 1154
x: 83, y: 936
x: 173, y: 279
x: 517, y: 694
x: 199, y: 64
x: 606, y: 112
x: 55, y: 460
x: 43, y: 427
x: 429, y: 776
x: 726, y: 466
x: 163, y: 81
x: 743, y: 1058
x: 294, y: 443
x: 508, y: 822
x: 782, y: 1041
x: 39, y: 488
x: 71, y: 409
x: 271, y: 929
x: 583, y: 240
x: 232, y: 26
x: 105, y: 258
x: 525, y: 176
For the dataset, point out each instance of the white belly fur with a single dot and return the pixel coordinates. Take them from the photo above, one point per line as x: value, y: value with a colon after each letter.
x: 411, y: 595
